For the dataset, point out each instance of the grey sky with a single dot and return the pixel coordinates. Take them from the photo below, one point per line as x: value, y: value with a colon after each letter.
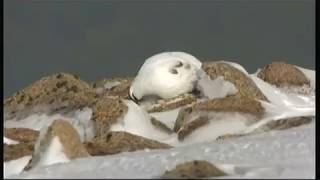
x: 97, y: 39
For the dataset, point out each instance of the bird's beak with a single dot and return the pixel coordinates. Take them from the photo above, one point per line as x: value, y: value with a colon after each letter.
x: 133, y: 98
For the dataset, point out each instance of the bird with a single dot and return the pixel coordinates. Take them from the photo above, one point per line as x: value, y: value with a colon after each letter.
x: 165, y: 75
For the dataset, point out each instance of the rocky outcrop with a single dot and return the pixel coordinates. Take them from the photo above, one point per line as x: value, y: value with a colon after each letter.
x: 194, y: 169
x: 53, y: 93
x: 160, y: 126
x: 107, y: 111
x: 117, y: 142
x: 283, y: 74
x: 246, y: 87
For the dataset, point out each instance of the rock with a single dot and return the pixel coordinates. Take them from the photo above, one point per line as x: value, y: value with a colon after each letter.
x: 228, y: 104
x: 106, y: 112
x: 16, y: 151
x: 67, y: 136
x: 172, y: 103
x: 188, y: 128
x: 283, y: 74
x: 22, y: 135
x: 246, y: 87
x: 194, y: 169
x: 280, y: 124
x: 232, y: 104
x: 50, y: 94
x: 117, y: 142
x: 286, y: 123
x: 161, y: 126
x: 113, y: 87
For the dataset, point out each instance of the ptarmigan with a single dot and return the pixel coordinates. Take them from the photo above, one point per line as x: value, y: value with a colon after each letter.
x: 165, y: 75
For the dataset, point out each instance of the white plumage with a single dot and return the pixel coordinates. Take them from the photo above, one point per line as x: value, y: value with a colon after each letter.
x: 166, y: 75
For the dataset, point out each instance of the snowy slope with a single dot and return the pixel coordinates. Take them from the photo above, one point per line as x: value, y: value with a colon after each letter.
x: 283, y: 154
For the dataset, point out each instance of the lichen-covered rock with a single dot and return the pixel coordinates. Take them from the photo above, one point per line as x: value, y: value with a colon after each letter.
x: 283, y: 74
x: 117, y: 142
x: 194, y: 169
x: 22, y: 135
x: 228, y: 104
x: 106, y: 112
x: 67, y: 136
x: 16, y: 151
x: 172, y: 103
x: 50, y: 94
x: 113, y: 87
x: 246, y: 87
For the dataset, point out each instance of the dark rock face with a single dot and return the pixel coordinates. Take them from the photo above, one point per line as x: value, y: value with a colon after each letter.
x: 117, y: 142
x: 246, y: 87
x: 50, y: 94
x: 194, y: 169
x: 283, y: 74
x: 106, y: 112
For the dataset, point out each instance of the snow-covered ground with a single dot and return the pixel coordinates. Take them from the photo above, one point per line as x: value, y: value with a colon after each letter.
x: 278, y: 154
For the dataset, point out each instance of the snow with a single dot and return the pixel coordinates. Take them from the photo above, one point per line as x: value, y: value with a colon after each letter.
x: 137, y: 121
x: 216, y: 88
x: 279, y: 154
x: 16, y: 166
x: 167, y: 117
x: 9, y: 141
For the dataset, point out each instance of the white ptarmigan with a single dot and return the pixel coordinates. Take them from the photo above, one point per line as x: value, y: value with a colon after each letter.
x: 165, y: 75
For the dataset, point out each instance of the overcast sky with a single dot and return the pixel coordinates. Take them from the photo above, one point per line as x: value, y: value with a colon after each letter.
x: 101, y: 39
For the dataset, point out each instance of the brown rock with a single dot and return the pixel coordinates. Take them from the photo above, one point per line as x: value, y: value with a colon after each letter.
x: 113, y: 87
x: 246, y: 87
x: 106, y: 112
x: 191, y: 118
x: 117, y: 142
x: 287, y: 123
x: 22, y: 135
x: 172, y: 103
x: 16, y: 151
x: 194, y: 169
x: 159, y: 125
x: 188, y: 128
x: 50, y: 94
x: 283, y: 74
x: 231, y: 104
x: 68, y: 137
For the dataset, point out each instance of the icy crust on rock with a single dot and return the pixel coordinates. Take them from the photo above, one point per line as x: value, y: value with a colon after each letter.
x: 278, y: 154
x: 80, y: 120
